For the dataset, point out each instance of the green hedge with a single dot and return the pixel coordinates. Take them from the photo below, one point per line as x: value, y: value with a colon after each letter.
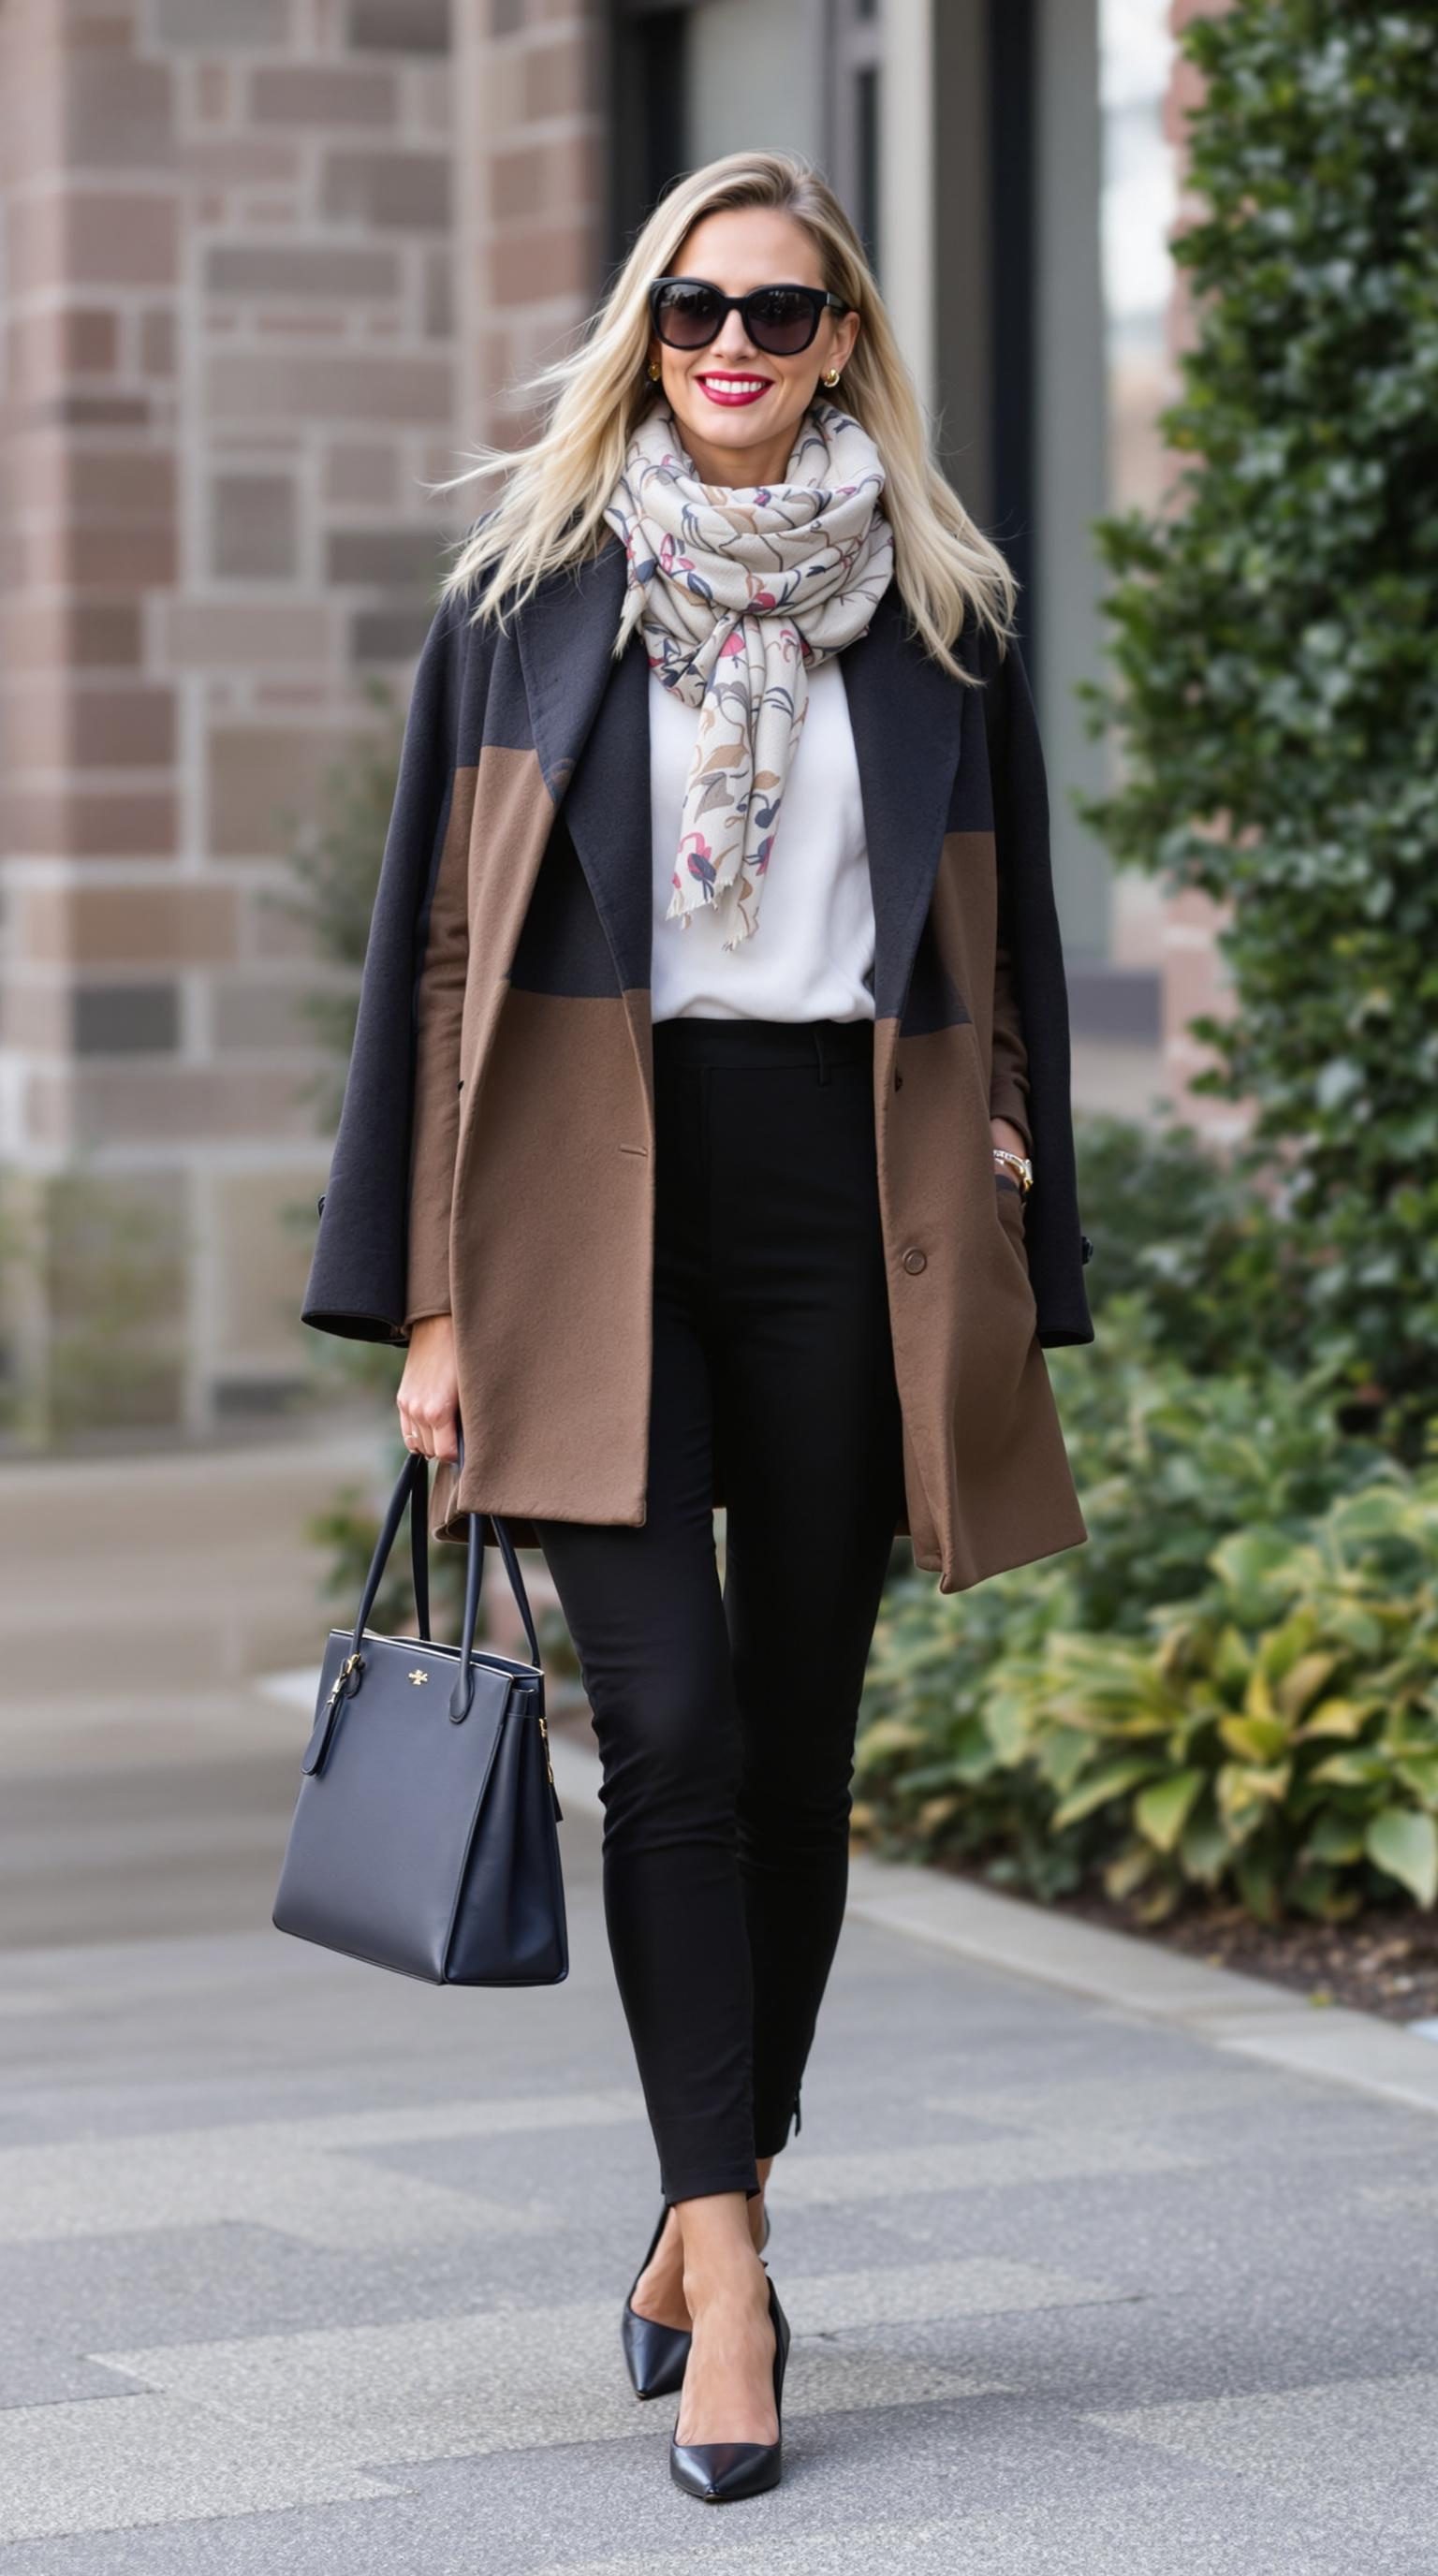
x: 1275, y: 653
x: 1233, y: 1687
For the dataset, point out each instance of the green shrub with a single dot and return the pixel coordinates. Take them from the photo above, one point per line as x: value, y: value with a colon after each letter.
x: 97, y: 1259
x: 1168, y: 1463
x: 1217, y: 1271
x: 935, y: 1775
x: 1232, y: 1686
x: 335, y: 862
x: 1275, y: 651
x: 1279, y: 1737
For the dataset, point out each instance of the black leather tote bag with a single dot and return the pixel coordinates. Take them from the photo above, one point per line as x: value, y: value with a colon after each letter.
x: 423, y: 1838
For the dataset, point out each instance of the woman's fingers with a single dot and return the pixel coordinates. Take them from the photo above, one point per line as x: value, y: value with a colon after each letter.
x: 428, y: 1395
x: 416, y: 1436
x: 430, y: 1428
x: 445, y: 1437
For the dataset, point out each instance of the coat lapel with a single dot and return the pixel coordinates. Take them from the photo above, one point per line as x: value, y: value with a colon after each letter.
x: 906, y: 718
x: 583, y: 702
x: 904, y: 711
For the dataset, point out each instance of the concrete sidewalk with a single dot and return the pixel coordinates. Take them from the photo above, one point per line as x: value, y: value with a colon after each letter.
x: 302, y: 2265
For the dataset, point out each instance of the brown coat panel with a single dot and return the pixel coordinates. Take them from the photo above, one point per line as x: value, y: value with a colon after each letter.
x: 987, y: 1477
x: 500, y: 821
x: 551, y: 1256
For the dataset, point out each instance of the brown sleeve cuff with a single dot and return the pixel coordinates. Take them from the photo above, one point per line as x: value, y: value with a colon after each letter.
x: 1009, y: 1076
x: 419, y: 1315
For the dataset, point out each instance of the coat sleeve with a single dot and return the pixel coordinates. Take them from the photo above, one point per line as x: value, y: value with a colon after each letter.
x: 1031, y: 998
x: 359, y: 1275
x: 440, y: 977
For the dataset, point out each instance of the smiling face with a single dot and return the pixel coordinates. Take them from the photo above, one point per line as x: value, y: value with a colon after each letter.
x: 738, y: 408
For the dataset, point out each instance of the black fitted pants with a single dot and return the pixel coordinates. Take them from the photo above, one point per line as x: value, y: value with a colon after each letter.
x: 725, y: 1720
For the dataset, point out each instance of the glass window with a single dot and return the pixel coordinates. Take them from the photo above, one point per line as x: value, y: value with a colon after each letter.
x: 1139, y: 205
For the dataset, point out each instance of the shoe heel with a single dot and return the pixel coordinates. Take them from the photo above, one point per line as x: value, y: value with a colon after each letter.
x: 782, y: 2340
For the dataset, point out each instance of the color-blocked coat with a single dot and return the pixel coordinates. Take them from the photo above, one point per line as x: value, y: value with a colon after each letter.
x: 495, y: 1152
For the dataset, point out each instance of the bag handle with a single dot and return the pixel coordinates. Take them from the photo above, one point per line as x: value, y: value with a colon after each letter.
x: 463, y: 1690
x: 419, y: 1550
x: 411, y: 1491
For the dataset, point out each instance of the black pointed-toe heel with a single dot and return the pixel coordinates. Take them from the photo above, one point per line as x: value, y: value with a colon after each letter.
x: 655, y: 2355
x: 722, y: 2472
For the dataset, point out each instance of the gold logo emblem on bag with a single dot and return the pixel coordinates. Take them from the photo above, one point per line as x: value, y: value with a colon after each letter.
x: 418, y: 1676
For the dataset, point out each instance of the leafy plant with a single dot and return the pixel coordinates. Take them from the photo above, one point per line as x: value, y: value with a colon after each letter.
x: 335, y: 862
x: 1280, y: 1737
x: 1233, y: 1686
x: 1169, y: 1462
x: 100, y: 1256
x: 1219, y: 1275
x: 1276, y: 656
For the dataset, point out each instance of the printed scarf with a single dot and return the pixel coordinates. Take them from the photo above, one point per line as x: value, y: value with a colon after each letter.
x: 740, y: 592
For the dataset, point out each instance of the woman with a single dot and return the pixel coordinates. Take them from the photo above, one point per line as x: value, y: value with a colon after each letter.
x: 707, y: 1138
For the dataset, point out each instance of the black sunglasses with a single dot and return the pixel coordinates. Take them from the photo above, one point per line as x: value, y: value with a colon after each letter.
x: 687, y: 313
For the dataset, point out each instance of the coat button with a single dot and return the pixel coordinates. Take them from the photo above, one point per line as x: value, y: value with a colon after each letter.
x: 914, y: 1259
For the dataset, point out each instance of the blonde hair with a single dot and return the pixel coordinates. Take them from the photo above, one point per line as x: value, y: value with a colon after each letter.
x: 552, y: 510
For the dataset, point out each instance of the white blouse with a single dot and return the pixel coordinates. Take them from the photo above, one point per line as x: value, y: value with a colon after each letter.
x: 811, y: 953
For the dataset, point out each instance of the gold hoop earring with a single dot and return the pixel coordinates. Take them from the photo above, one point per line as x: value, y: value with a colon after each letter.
x: 653, y: 373
x: 832, y: 376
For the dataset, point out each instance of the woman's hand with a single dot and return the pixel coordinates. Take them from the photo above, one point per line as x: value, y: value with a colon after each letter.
x: 1004, y: 1132
x: 428, y: 1396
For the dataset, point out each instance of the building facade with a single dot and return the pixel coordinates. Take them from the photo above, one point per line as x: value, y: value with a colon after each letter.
x: 268, y: 267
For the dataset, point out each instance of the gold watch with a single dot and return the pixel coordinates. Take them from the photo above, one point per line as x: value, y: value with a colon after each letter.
x: 1019, y: 1163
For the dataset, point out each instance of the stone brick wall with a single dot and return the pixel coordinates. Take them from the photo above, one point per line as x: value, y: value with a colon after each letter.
x: 267, y: 267
x: 533, y: 252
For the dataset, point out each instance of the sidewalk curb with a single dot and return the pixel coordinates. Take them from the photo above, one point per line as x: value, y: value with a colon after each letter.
x: 1250, y: 2016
